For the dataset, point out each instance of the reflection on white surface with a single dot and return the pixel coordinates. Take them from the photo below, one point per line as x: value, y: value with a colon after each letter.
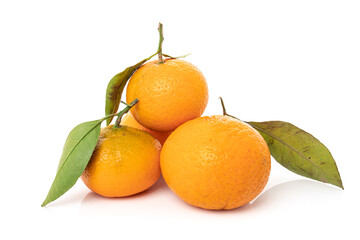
x: 160, y: 201
x: 297, y: 192
x: 95, y: 205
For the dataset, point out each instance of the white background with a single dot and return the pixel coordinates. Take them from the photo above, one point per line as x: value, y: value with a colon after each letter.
x: 296, y: 61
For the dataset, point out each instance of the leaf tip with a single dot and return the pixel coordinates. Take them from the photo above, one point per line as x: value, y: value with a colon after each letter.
x: 341, y: 185
x: 337, y: 183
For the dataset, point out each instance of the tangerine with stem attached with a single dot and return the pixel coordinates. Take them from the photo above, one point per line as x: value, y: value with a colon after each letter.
x: 125, y: 161
x: 170, y: 92
x: 215, y: 162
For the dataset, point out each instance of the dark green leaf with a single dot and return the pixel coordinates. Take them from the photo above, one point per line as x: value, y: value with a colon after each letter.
x: 299, y: 151
x: 115, y: 89
x: 76, y: 154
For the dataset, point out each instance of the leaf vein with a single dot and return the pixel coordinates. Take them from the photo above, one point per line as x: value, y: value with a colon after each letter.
x: 67, y: 157
x: 293, y: 149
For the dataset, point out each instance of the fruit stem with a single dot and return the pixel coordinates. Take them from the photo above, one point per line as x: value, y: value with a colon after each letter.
x: 161, y: 39
x: 224, y: 109
x: 124, y: 111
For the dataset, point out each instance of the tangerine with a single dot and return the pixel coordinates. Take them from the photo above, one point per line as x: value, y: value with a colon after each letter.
x: 215, y: 162
x: 125, y: 162
x: 169, y: 93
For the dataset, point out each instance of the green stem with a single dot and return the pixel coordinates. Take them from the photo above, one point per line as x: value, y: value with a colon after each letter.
x: 124, y: 111
x: 224, y: 110
x: 161, y: 39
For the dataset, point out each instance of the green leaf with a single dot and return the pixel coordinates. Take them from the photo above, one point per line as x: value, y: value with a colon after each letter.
x: 76, y: 154
x: 115, y: 89
x: 299, y: 151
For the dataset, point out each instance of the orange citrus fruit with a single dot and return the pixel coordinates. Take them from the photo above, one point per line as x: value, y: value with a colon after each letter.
x: 215, y: 162
x: 125, y: 162
x: 169, y: 94
x: 129, y: 120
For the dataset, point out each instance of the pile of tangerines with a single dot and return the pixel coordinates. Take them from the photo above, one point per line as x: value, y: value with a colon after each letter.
x: 212, y: 162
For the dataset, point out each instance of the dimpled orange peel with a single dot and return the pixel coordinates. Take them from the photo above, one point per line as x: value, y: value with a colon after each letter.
x: 169, y: 93
x: 125, y: 162
x: 215, y: 162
